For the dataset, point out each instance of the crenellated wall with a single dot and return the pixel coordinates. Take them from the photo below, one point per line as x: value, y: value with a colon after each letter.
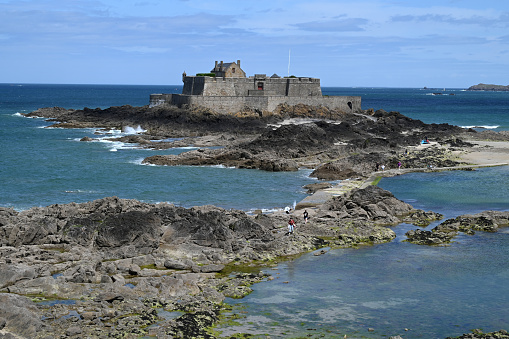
x: 228, y: 95
x: 213, y: 86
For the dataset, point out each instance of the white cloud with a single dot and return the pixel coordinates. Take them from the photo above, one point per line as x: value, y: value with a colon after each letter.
x: 364, y: 36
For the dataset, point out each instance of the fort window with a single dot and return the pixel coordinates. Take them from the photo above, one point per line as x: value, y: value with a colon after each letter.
x: 350, y: 104
x: 233, y: 70
x: 260, y: 86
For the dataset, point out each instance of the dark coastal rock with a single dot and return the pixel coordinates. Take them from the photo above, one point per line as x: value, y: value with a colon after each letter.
x: 349, y: 167
x: 430, y: 156
x: 350, y: 144
x: 119, y: 259
x: 479, y: 334
x: 161, y: 120
x: 422, y: 218
x: 372, y: 203
x: 363, y: 216
x: 193, y: 325
x: 11, y: 274
x: 20, y: 316
x: 111, y: 254
x: 488, y: 221
x: 177, y: 264
x: 423, y: 237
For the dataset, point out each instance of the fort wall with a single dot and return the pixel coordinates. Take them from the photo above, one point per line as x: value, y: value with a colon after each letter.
x: 223, y: 86
x: 233, y: 104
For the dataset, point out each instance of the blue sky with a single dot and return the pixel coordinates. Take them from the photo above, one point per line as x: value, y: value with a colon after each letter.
x: 365, y: 43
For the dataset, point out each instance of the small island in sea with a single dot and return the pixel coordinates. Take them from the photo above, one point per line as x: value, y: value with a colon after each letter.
x: 489, y: 87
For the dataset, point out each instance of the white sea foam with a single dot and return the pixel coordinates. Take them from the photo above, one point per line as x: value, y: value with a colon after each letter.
x: 19, y: 114
x: 131, y: 130
x: 484, y: 127
x: 113, y: 145
x: 80, y: 191
x: 220, y: 166
x: 138, y: 161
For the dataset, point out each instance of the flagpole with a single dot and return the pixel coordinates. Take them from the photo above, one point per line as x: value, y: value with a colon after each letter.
x: 289, y: 50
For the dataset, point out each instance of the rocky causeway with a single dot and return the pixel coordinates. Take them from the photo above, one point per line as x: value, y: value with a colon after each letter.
x: 112, y: 267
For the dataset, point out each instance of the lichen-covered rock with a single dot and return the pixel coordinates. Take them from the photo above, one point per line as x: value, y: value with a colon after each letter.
x: 487, y: 221
x: 479, y: 334
x: 423, y: 237
x: 422, y: 218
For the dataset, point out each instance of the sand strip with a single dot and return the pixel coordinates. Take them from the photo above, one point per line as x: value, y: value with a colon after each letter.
x: 483, y: 154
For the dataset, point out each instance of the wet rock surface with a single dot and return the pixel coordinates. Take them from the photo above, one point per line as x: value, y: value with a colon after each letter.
x: 487, y: 221
x: 108, y: 267
x: 478, y: 334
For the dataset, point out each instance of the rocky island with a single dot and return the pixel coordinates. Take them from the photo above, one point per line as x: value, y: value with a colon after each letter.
x: 122, y: 268
x: 489, y: 87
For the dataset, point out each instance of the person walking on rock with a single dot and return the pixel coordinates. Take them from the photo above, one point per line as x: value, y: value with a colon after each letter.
x: 306, y: 216
x: 291, y: 226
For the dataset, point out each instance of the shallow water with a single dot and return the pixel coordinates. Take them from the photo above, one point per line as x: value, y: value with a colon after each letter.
x: 42, y: 167
x: 433, y: 292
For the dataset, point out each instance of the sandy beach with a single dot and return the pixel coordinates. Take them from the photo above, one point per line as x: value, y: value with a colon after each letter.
x: 487, y: 153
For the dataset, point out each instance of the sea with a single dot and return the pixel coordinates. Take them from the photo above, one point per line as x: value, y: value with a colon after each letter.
x: 376, y: 291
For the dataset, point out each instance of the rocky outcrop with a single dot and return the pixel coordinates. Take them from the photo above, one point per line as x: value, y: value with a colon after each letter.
x: 362, y: 216
x: 479, y: 334
x: 347, y: 145
x: 104, y: 266
x: 488, y: 87
x: 107, y: 265
x: 488, y: 221
x: 423, y: 237
x: 344, y: 149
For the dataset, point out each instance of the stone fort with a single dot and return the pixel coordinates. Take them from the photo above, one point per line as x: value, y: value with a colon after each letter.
x: 227, y: 89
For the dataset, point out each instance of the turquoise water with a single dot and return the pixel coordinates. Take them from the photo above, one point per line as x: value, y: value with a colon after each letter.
x: 432, y: 292
x: 47, y: 166
x: 453, y: 193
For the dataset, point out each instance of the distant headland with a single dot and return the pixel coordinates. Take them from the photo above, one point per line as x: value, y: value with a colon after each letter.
x: 488, y: 87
